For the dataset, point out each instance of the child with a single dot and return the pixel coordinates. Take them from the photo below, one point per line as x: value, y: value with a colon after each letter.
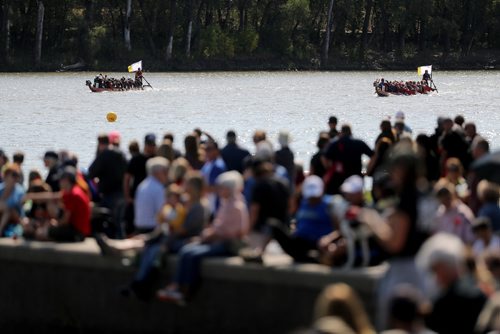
x: 172, y: 215
x: 37, y: 212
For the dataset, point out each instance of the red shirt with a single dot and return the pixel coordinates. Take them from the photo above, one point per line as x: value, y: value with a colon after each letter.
x: 77, y: 204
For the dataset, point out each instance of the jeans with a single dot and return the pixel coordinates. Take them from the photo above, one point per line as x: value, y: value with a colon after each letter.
x: 296, y: 247
x: 189, y: 261
x: 148, y: 257
x: 152, y: 251
x: 116, y: 204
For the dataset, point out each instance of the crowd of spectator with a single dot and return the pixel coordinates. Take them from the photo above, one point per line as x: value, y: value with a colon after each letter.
x: 432, y: 211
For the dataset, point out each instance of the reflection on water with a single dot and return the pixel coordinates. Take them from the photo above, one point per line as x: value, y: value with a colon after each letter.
x: 56, y: 111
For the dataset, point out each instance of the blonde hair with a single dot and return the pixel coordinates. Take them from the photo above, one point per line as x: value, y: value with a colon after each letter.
x: 341, y: 300
x: 10, y: 168
x: 178, y: 170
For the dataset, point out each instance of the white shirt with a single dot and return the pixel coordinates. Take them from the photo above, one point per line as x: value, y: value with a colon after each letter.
x: 479, y: 247
x: 149, y: 199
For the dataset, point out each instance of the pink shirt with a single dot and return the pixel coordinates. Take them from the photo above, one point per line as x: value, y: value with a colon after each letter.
x: 456, y: 220
x: 231, y: 220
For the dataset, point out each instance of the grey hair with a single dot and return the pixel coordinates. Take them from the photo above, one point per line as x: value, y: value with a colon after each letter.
x: 231, y: 180
x: 284, y: 138
x: 156, y: 164
x: 264, y: 151
x: 443, y: 248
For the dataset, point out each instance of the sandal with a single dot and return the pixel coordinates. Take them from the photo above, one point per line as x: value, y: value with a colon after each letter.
x: 171, y: 296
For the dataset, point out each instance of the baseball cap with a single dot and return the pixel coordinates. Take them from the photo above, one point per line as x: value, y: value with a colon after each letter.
x: 51, y: 155
x: 352, y: 185
x: 114, y: 137
x: 312, y: 187
x: 150, y: 139
x: 400, y: 116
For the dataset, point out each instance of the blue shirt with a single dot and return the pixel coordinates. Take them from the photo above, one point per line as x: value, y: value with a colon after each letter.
x: 212, y: 169
x: 14, y: 201
x: 492, y: 211
x: 149, y: 199
x: 313, y: 221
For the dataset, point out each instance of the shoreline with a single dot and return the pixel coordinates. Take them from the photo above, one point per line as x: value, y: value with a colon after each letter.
x: 479, y: 61
x: 270, y: 69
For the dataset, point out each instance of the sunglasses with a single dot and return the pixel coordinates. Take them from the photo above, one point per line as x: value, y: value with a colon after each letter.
x: 13, y: 174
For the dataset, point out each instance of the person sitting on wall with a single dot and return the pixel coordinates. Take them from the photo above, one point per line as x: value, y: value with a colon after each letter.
x: 11, y: 194
x: 74, y: 222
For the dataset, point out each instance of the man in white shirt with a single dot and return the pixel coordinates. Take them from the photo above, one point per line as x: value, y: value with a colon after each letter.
x: 150, y: 195
x: 485, y: 239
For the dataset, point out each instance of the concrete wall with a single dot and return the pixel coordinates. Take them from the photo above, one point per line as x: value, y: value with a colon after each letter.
x: 46, y: 288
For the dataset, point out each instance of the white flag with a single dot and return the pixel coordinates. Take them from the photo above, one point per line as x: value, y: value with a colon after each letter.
x: 135, y: 66
x: 421, y: 70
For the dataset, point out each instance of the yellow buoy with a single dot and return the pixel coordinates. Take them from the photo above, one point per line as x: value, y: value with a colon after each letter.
x: 111, y: 116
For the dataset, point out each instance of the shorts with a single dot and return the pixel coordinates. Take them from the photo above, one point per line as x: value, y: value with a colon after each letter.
x: 65, y: 233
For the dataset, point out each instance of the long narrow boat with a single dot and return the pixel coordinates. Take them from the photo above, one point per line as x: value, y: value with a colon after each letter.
x: 99, y: 89
x: 407, y: 92
x: 383, y: 93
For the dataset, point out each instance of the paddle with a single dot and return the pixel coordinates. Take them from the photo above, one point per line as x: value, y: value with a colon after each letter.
x: 148, y: 84
x: 432, y: 81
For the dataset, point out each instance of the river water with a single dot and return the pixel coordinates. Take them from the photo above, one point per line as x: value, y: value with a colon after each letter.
x: 57, y: 111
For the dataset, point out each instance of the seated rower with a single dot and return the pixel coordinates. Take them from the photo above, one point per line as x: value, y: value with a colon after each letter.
x: 426, y: 87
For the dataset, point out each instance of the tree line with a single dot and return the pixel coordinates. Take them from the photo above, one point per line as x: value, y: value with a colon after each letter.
x: 170, y: 34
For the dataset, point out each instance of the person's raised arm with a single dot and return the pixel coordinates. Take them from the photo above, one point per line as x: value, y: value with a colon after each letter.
x: 42, y: 197
x: 392, y: 233
x: 209, y: 137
